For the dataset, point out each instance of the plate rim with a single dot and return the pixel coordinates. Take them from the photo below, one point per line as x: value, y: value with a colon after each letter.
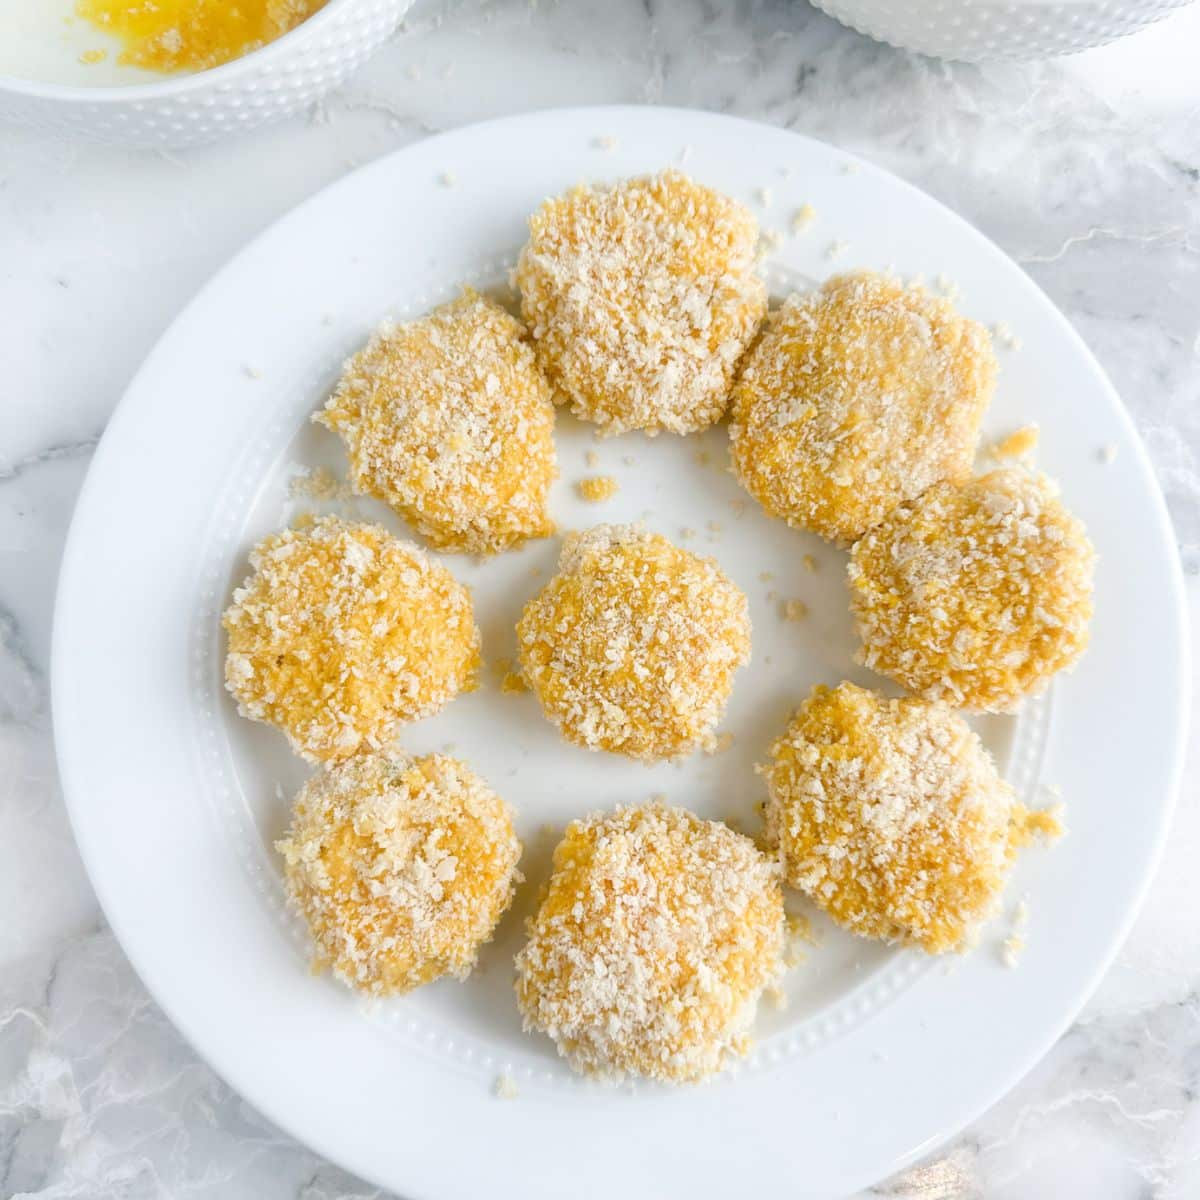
x: 71, y: 768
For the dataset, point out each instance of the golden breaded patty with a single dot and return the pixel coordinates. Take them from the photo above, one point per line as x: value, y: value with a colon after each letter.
x: 976, y: 595
x: 401, y: 867
x: 857, y: 397
x: 892, y: 816
x: 449, y: 420
x: 656, y: 935
x: 342, y: 633
x: 633, y: 645
x: 641, y: 299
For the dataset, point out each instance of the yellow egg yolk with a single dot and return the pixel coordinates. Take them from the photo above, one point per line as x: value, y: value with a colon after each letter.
x: 193, y: 35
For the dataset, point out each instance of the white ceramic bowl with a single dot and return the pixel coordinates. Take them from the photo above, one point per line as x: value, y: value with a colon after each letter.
x: 975, y: 30
x: 281, y: 78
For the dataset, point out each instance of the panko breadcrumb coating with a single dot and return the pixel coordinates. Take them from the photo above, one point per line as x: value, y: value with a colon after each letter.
x: 449, y: 420
x: 401, y: 868
x: 891, y: 815
x: 342, y: 633
x: 975, y: 595
x: 857, y: 397
x: 641, y: 299
x: 633, y: 645
x: 656, y: 935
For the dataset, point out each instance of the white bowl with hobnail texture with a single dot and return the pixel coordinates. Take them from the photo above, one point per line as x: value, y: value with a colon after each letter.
x: 282, y: 78
x: 977, y: 30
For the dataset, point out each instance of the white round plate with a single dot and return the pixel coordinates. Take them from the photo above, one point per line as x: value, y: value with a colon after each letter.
x: 879, y: 1053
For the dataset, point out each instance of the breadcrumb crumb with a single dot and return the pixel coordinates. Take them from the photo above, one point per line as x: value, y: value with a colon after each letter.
x: 803, y: 218
x: 1003, y: 333
x: 320, y: 483
x: 1014, y: 944
x: 947, y: 287
x: 513, y: 683
x: 598, y: 488
x: 800, y: 934
x: 794, y: 610
x: 1018, y: 444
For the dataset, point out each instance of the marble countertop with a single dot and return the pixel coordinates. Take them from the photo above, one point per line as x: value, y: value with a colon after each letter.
x: 1086, y: 170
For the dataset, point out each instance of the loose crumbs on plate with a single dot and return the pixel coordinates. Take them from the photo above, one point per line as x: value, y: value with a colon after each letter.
x: 1019, y: 444
x: 513, y: 683
x: 721, y: 743
x: 803, y: 218
x: 1014, y: 944
x: 319, y: 483
x: 598, y: 488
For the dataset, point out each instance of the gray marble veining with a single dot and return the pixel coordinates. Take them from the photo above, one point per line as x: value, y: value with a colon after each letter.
x: 1086, y: 170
